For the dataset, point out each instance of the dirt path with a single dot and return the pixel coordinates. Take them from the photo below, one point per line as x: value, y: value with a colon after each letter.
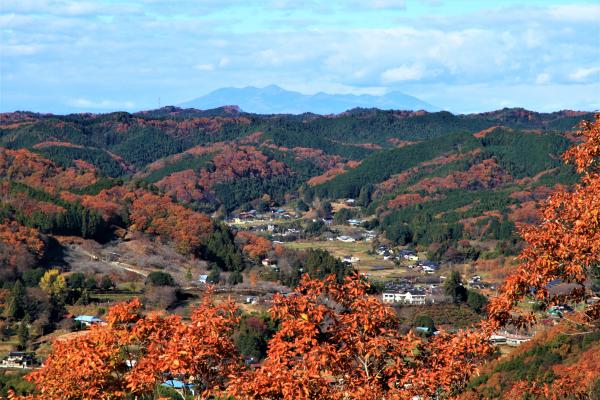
x: 117, y: 264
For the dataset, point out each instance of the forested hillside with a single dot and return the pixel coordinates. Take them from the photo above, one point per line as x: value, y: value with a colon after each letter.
x: 423, y: 178
x: 329, y: 336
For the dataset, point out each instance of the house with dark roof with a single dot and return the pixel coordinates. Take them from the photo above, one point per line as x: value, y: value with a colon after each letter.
x: 404, y: 296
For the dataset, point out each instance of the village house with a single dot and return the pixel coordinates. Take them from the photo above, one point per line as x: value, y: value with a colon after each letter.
x: 267, y: 262
x: 404, y: 296
x: 18, y: 359
x: 511, y: 339
x: 346, y: 239
x: 408, y: 255
x: 382, y: 250
x: 428, y: 267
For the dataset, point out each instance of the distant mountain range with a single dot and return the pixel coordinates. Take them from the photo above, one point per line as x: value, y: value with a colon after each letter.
x: 275, y: 100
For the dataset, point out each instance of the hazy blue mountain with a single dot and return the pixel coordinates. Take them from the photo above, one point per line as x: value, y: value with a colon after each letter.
x: 275, y: 100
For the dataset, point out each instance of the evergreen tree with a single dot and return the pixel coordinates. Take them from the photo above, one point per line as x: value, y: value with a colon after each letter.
x: 23, y: 333
x: 106, y: 283
x: 159, y: 278
x: 16, y: 303
x: 214, y: 276
x: 364, y: 197
x: 235, y: 277
x: 476, y: 301
x: 84, y: 299
x: 454, y: 288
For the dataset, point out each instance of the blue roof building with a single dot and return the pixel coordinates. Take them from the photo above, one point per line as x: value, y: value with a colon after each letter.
x: 179, y: 385
x: 88, y: 320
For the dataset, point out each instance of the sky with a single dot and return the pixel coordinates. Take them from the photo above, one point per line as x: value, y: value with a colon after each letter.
x: 465, y: 56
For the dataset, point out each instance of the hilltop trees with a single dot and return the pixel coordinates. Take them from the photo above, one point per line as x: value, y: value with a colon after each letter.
x: 158, y: 215
x: 566, y: 245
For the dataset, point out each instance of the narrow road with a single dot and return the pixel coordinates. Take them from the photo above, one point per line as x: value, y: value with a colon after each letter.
x: 117, y: 264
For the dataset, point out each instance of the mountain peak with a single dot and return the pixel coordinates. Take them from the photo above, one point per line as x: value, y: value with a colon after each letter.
x: 273, y: 99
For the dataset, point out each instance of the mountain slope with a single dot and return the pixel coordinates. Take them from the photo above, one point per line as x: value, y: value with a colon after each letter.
x: 275, y: 100
x: 433, y: 180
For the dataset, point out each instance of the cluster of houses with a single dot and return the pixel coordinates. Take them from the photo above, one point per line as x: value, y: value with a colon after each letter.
x: 392, y: 254
x: 425, y: 266
x: 273, y: 229
x: 271, y: 214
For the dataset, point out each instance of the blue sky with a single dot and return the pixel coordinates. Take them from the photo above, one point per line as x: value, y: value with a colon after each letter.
x: 465, y: 56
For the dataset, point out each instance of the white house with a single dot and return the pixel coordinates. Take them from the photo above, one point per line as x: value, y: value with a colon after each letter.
x: 346, y: 239
x: 18, y: 359
x: 516, y: 340
x: 411, y: 296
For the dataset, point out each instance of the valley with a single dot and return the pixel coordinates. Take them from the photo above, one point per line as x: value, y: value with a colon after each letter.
x: 165, y: 205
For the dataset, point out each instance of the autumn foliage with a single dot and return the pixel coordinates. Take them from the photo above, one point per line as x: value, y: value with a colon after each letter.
x: 255, y: 246
x: 132, y: 354
x: 230, y: 161
x: 566, y: 245
x: 336, y: 342
x: 34, y: 170
x: 158, y: 215
x: 19, y: 247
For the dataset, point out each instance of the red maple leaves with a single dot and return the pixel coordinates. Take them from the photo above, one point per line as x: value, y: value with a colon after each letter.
x: 566, y: 245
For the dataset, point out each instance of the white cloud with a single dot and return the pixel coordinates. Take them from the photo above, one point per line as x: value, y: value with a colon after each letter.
x: 89, y: 50
x: 403, y: 73
x: 543, y: 78
x: 19, y: 49
x: 575, y: 12
x: 224, y: 61
x: 101, y: 104
x: 384, y: 4
x: 204, y: 67
x: 67, y: 7
x: 582, y: 74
